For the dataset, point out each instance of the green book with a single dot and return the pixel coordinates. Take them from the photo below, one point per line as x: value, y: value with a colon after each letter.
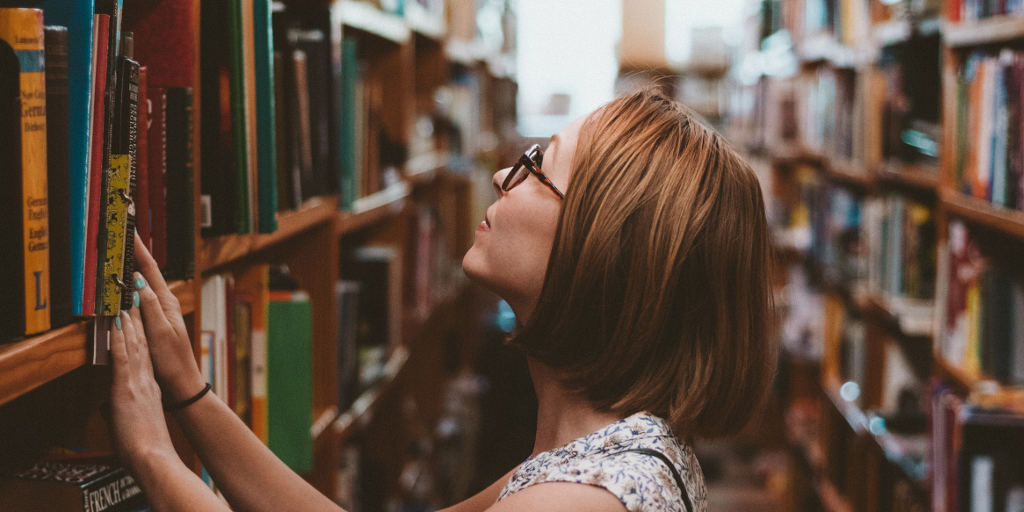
x: 266, y: 126
x: 289, y: 378
x: 348, y: 181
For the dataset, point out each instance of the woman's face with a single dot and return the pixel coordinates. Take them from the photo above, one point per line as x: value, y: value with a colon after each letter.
x: 513, y: 242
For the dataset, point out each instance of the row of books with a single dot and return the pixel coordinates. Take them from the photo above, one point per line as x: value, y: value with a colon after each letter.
x: 900, y: 237
x: 256, y: 343
x: 976, y: 454
x: 972, y: 10
x: 832, y: 104
x: 990, y: 152
x: 100, y: 117
x: 885, y: 243
x: 256, y: 352
x: 982, y: 328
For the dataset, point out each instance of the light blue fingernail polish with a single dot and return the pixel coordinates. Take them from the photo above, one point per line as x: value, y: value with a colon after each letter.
x: 135, y: 298
x: 140, y: 283
x: 117, y: 322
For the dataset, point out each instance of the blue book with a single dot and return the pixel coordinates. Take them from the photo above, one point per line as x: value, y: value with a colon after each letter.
x: 77, y: 16
x: 266, y: 132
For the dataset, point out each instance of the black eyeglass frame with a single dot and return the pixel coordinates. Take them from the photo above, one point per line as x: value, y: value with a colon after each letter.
x: 531, y: 160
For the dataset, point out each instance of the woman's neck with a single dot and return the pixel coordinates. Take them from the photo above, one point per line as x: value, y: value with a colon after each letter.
x: 561, y: 416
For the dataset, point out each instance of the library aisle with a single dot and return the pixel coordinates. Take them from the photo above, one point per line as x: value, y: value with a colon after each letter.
x: 308, y: 174
x: 887, y: 139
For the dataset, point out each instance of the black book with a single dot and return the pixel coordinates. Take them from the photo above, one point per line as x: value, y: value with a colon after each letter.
x: 12, y: 297
x: 58, y: 174
x: 180, y: 179
x: 217, y: 182
x: 314, y: 43
x: 88, y: 484
x: 126, y: 142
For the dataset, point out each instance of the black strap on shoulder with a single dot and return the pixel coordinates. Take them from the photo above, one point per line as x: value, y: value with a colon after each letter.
x: 672, y: 467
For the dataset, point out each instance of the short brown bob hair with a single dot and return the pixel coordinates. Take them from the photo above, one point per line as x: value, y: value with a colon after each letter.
x: 657, y: 294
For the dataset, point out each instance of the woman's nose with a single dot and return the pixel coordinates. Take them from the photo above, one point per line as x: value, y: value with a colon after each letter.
x: 498, y: 178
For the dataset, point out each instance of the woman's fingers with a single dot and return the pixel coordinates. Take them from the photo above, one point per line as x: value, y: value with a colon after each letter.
x: 135, y: 319
x: 151, y: 274
x: 152, y: 310
x: 118, y: 353
x: 132, y: 341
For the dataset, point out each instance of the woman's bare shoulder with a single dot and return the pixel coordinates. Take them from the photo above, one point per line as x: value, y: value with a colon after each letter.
x: 484, y: 499
x: 560, y: 497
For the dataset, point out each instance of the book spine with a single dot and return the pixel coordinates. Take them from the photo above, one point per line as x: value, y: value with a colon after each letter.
x: 128, y: 139
x: 114, y: 492
x: 12, y: 318
x: 158, y: 175
x: 22, y: 29
x: 58, y: 172
x: 112, y: 8
x: 302, y: 154
x: 101, y: 27
x: 180, y: 177
x: 77, y: 16
x: 116, y: 202
x: 143, y: 218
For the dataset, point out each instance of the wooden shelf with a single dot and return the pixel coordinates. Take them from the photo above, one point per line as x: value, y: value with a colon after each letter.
x: 894, y: 32
x: 824, y: 48
x: 848, y: 174
x: 966, y: 379
x: 997, y: 29
x: 918, y: 177
x: 221, y: 250
x: 30, y: 363
x: 371, y: 20
x: 982, y: 212
x: 424, y: 24
x: 899, y: 322
x: 460, y: 51
x: 361, y: 412
x: 372, y: 209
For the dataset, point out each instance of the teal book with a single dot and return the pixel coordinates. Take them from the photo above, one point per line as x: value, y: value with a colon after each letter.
x: 289, y: 378
x: 266, y: 125
x: 77, y: 16
x: 349, y: 104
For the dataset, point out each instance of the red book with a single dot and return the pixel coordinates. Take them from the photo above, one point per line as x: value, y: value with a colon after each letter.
x: 158, y: 175
x: 165, y: 40
x: 142, y: 216
x: 101, y: 35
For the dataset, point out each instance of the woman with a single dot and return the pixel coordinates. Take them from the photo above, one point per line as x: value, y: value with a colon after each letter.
x: 634, y: 253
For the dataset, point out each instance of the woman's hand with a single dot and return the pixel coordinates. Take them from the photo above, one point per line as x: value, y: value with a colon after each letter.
x: 140, y: 431
x: 173, y: 361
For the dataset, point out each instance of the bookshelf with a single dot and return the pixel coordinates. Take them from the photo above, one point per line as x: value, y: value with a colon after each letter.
x: 994, y: 30
x: 414, y: 194
x: 26, y: 365
x: 879, y: 213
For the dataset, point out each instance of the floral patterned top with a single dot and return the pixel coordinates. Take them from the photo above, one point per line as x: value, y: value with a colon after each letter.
x: 641, y: 482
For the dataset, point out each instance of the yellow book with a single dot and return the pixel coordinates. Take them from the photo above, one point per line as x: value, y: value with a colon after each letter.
x: 116, y: 222
x: 972, y: 352
x: 22, y: 29
x: 253, y: 286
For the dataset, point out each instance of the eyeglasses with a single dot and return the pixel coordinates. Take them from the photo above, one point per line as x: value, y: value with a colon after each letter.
x: 529, y: 163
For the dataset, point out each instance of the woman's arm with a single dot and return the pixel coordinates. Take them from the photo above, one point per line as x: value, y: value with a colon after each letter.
x: 245, y: 470
x: 482, y: 500
x: 249, y: 475
x: 140, y: 433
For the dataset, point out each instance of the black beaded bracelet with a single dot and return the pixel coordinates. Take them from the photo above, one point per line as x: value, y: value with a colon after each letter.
x: 187, y: 402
